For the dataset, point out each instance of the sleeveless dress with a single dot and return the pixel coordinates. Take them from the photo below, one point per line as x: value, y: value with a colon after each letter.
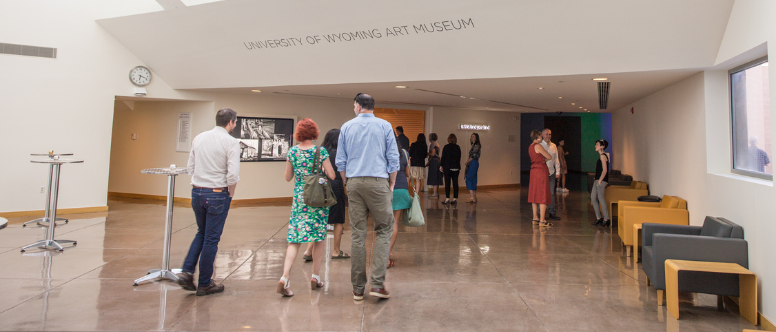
x: 307, y: 224
x: 539, y: 183
x: 434, y: 177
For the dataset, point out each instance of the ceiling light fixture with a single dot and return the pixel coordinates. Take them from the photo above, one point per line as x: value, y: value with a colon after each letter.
x: 600, y: 79
x: 573, y: 104
x: 560, y: 97
x: 401, y: 86
x: 540, y: 88
x: 463, y: 96
x: 580, y: 106
x: 256, y: 90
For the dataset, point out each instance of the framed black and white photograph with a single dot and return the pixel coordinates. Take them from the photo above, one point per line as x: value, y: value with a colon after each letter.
x: 264, y: 139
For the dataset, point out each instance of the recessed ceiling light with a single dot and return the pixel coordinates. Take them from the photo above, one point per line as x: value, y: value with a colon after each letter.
x: 256, y: 90
x: 401, y: 86
x: 600, y: 79
x: 586, y: 109
x: 472, y: 98
x: 573, y: 104
x: 540, y: 88
x: 560, y: 97
x: 580, y: 106
x: 463, y: 96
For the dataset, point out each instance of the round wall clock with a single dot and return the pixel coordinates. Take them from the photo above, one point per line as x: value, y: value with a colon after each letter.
x: 140, y: 76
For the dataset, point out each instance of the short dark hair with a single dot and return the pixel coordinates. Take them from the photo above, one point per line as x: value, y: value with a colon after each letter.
x: 421, y: 138
x: 536, y: 134
x: 452, y: 139
x: 433, y: 137
x: 400, y: 129
x: 224, y: 116
x: 366, y: 101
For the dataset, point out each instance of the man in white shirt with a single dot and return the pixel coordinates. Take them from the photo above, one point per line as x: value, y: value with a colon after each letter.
x: 554, y: 166
x: 214, y: 166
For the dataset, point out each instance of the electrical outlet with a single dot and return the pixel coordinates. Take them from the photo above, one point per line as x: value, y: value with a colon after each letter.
x: 42, y: 189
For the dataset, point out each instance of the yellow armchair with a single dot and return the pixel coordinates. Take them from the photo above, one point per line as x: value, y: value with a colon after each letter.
x: 615, y: 194
x: 672, y: 210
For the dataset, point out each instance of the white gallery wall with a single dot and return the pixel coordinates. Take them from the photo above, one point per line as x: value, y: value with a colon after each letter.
x: 63, y: 104
x: 678, y: 140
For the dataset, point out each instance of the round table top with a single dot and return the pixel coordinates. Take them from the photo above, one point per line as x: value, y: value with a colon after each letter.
x: 50, y: 155
x: 57, y: 161
x: 166, y: 171
x: 3, y: 222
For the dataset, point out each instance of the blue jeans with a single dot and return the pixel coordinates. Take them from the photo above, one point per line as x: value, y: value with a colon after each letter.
x: 551, y: 207
x: 210, y: 209
x: 471, y: 175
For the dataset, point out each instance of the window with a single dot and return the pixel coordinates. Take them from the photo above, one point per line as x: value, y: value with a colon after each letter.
x: 751, y: 119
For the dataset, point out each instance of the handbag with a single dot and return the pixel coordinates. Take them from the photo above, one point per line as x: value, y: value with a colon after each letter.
x: 317, y: 190
x: 413, y: 217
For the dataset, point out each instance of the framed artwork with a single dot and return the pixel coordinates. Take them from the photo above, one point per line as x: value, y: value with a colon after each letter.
x: 264, y: 139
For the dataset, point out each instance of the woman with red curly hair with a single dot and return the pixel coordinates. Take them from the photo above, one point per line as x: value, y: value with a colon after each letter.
x: 307, y: 224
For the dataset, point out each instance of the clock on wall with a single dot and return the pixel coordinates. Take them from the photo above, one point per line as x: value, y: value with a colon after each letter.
x: 140, y: 76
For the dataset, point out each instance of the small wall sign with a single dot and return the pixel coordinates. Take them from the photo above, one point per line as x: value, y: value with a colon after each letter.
x: 474, y: 127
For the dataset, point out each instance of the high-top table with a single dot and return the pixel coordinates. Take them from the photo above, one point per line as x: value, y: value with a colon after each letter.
x: 3, y: 222
x: 55, y: 164
x: 164, y: 272
x: 45, y: 219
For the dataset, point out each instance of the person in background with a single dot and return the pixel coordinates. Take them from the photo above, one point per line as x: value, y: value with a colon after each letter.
x: 562, y: 153
x: 539, y: 185
x: 472, y: 166
x: 337, y: 211
x: 418, y: 153
x: 307, y: 223
x: 368, y: 160
x: 598, y: 194
x: 758, y: 159
x: 214, y: 165
x: 401, y: 199
x: 434, y: 179
x: 553, y: 166
x: 451, y: 167
x: 402, y: 140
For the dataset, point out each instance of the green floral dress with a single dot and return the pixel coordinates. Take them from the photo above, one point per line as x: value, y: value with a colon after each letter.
x: 307, y: 224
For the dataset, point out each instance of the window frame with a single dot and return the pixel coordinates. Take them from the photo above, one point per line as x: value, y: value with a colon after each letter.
x: 750, y: 64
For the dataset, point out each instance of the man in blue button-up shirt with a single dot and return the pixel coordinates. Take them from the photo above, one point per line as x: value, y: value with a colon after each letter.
x: 368, y: 159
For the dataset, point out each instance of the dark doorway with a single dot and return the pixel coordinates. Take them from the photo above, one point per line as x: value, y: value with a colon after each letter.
x: 568, y: 128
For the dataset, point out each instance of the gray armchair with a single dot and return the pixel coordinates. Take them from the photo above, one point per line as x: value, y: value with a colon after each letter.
x: 718, y: 240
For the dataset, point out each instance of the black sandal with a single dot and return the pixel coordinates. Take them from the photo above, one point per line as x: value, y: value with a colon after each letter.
x: 545, y: 224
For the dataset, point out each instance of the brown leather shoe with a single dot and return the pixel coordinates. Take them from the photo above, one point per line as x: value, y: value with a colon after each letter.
x: 379, y: 292
x: 210, y: 289
x: 186, y: 281
x: 357, y: 296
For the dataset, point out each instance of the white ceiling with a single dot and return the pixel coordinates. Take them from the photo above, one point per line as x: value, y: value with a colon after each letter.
x: 514, y: 47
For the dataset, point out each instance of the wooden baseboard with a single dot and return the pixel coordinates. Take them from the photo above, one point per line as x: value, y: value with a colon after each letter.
x: 144, y: 196
x: 765, y: 323
x: 41, y: 213
x: 236, y: 202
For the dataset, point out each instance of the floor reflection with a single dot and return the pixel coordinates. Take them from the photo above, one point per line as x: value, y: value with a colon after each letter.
x: 481, y: 266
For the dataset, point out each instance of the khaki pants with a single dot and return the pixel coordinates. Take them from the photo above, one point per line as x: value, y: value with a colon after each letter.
x: 369, y: 195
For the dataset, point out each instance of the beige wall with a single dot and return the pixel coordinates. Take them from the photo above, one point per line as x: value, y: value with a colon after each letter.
x: 155, y: 123
x: 500, y: 160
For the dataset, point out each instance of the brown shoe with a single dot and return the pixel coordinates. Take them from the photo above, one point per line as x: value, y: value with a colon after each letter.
x: 186, y: 281
x: 210, y: 289
x: 379, y: 292
x: 357, y: 296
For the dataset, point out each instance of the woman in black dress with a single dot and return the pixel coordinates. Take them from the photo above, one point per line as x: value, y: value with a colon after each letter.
x: 434, y: 178
x: 418, y: 154
x: 451, y: 167
x: 336, y: 212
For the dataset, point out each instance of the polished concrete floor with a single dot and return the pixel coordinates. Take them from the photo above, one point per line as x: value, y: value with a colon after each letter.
x: 472, y: 267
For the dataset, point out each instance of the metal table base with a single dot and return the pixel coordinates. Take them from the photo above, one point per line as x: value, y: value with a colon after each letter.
x: 49, y: 242
x: 164, y: 273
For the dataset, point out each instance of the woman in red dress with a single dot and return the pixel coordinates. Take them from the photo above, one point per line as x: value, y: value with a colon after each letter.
x: 539, y: 183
